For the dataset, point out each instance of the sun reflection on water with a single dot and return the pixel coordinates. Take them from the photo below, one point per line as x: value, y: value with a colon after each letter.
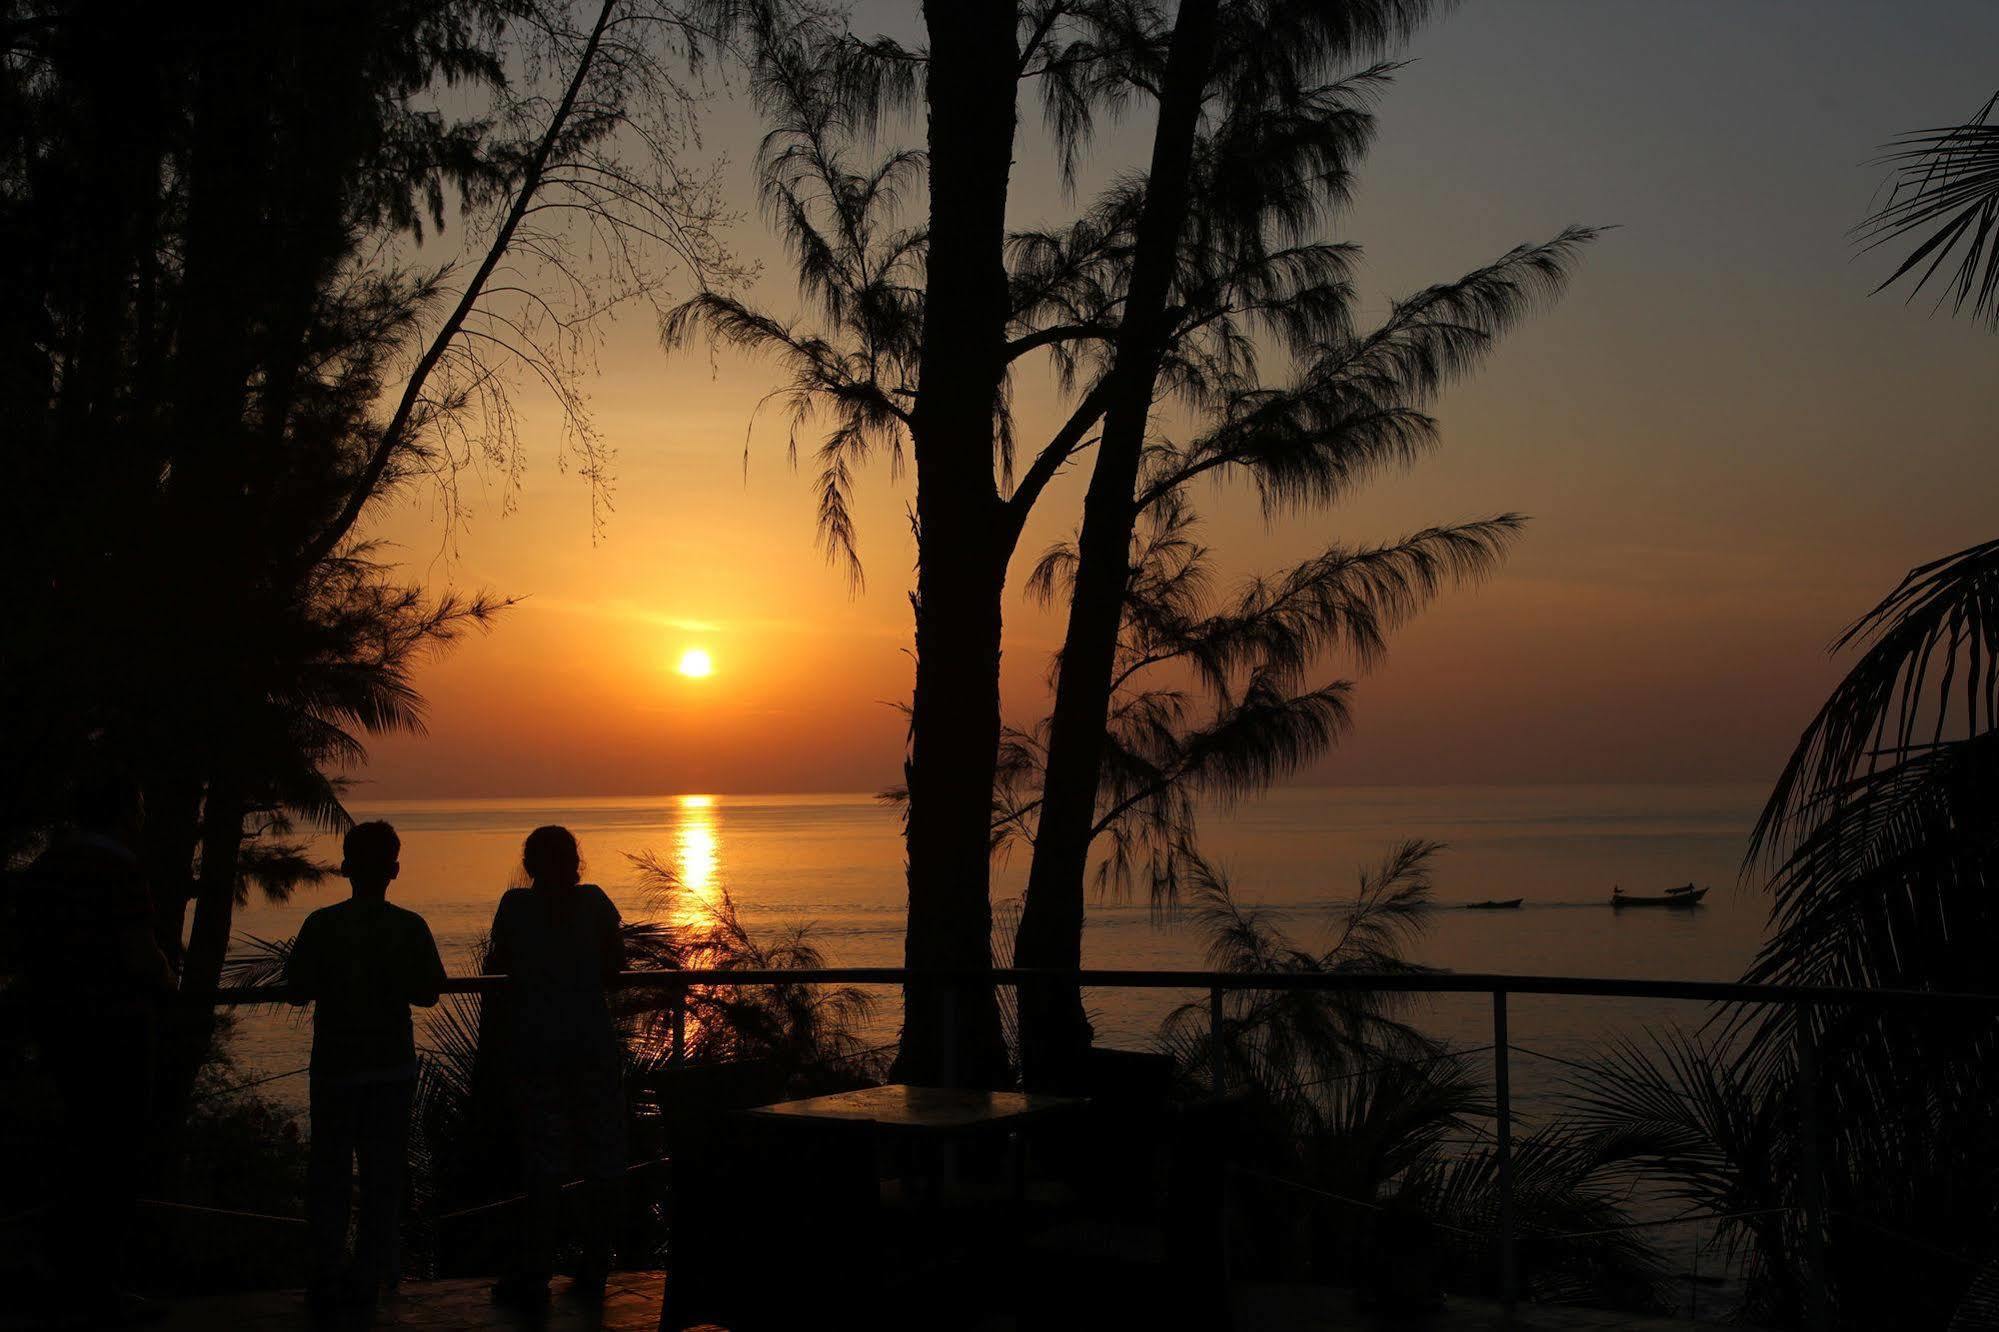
x: 697, y: 857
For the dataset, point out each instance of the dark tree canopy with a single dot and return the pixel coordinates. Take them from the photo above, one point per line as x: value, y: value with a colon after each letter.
x: 265, y: 266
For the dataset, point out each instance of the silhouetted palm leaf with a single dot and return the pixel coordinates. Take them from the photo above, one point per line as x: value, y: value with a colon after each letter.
x: 805, y: 1032
x: 260, y: 962
x: 1947, y: 184
x: 1935, y: 635
x: 1340, y: 1096
x: 1573, y: 1245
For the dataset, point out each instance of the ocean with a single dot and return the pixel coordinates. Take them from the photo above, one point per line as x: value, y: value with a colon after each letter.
x: 834, y: 863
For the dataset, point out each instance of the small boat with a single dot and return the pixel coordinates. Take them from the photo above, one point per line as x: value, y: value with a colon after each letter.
x: 1686, y: 896
x: 1495, y: 905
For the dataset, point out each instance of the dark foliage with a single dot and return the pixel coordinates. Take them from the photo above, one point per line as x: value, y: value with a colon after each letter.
x: 1349, y: 1114
x: 1946, y: 190
x: 1881, y: 836
x: 1212, y: 699
x: 267, y: 265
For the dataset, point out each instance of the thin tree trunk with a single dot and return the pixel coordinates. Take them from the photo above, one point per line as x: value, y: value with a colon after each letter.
x: 963, y: 539
x: 193, y: 1023
x: 395, y: 435
x: 1055, y: 1033
x: 173, y: 811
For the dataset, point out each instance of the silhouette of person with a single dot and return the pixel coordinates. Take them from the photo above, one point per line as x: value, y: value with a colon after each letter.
x: 361, y: 963
x: 96, y: 981
x: 560, y: 941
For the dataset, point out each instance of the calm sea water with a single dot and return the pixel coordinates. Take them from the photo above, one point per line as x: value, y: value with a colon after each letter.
x: 835, y: 863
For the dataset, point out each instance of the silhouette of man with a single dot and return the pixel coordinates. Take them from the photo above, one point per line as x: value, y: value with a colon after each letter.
x: 361, y: 963
x: 96, y: 980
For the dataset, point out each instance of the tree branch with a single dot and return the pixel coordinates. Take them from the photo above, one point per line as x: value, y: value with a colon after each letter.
x: 394, y: 434
x: 1048, y: 337
x: 1067, y: 441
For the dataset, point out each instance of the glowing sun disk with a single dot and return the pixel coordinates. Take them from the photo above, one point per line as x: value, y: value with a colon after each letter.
x: 695, y: 663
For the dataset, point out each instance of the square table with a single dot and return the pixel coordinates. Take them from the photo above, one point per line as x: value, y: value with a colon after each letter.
x: 939, y: 1116
x: 934, y: 1121
x: 901, y: 1109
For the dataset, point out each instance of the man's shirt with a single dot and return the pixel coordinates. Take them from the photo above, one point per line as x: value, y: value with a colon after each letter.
x: 363, y: 962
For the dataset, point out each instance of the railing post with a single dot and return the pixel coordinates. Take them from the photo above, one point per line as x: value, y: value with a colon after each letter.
x: 1217, y: 1064
x: 947, y: 1011
x: 679, y: 1055
x: 1502, y: 1084
x: 1817, y: 1305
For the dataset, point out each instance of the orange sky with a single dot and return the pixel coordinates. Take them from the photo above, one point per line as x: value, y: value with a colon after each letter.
x: 1727, y: 448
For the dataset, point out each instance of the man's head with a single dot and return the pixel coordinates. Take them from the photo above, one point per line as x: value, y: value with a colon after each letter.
x: 368, y: 858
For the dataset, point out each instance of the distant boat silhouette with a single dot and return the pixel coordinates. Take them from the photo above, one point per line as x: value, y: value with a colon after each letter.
x: 1494, y: 904
x: 1686, y: 896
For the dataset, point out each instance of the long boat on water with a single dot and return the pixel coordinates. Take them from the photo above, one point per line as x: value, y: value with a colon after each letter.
x: 1496, y: 904
x: 1688, y: 896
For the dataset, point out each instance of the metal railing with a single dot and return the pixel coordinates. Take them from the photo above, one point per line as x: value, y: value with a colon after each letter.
x: 1499, y: 986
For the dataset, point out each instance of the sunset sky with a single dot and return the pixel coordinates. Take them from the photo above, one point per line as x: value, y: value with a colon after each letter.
x: 1727, y: 447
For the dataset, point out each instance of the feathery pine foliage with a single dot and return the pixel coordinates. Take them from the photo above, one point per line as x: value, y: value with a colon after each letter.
x: 1211, y: 695
x: 1251, y: 267
x: 1237, y: 306
x: 1170, y: 289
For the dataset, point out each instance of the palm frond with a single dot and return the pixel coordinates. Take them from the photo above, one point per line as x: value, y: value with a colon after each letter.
x: 1946, y: 182
x: 1574, y: 1242
x: 1892, y: 884
x: 803, y: 1030
x: 1905, y: 1122
x: 1340, y: 1096
x: 1930, y: 669
x: 258, y: 962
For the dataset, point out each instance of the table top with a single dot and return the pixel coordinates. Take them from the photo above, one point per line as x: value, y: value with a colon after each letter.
x: 922, y: 1109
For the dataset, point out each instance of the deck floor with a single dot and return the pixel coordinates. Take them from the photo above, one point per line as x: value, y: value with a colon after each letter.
x: 633, y: 1306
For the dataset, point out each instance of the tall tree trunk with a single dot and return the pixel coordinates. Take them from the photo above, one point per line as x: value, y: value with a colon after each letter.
x: 187, y: 1038
x: 1055, y: 1033
x: 173, y: 827
x: 953, y: 1035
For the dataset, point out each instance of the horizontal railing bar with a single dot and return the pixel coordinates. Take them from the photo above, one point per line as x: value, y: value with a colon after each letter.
x: 164, y: 1205
x: 515, y: 1199
x: 1419, y: 982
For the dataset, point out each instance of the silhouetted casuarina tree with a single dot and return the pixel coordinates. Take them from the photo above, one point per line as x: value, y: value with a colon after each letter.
x: 1253, y: 156
x: 199, y: 353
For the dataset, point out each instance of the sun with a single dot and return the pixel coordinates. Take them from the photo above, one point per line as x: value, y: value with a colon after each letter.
x: 695, y: 662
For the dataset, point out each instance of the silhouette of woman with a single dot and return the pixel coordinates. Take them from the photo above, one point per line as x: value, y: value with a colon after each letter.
x: 559, y: 940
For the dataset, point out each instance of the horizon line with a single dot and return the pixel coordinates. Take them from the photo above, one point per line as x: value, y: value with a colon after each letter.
x: 873, y: 797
